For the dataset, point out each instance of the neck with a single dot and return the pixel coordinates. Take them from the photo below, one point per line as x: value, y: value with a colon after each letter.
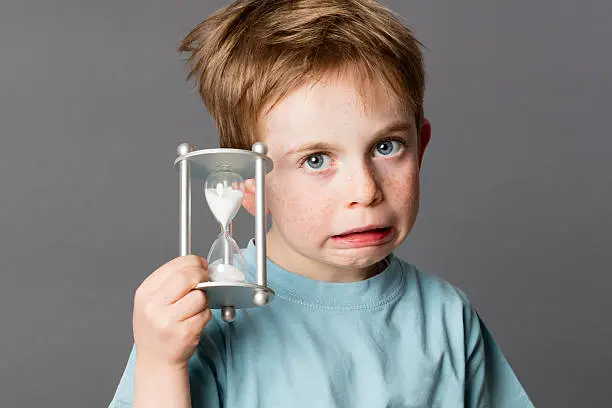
x: 279, y: 252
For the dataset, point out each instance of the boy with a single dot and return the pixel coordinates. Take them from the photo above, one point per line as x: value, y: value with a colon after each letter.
x: 335, y: 89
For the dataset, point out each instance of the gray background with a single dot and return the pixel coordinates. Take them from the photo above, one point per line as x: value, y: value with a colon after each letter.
x: 516, y: 183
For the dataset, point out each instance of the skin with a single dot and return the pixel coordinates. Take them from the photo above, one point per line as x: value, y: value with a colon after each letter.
x: 363, y: 179
x: 168, y: 319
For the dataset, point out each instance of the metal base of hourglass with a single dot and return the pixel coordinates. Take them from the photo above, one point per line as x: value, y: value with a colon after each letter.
x: 227, y: 296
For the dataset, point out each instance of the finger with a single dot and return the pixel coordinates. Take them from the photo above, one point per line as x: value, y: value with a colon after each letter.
x: 179, y: 283
x: 155, y: 280
x: 161, y: 274
x: 249, y: 192
x: 249, y: 185
x: 199, y: 319
x: 189, y: 305
x: 239, y: 186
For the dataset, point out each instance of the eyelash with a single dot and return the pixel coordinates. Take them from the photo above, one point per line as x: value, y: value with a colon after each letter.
x: 401, y: 141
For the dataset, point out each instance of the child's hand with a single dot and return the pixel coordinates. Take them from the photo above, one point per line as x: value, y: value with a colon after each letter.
x: 168, y: 314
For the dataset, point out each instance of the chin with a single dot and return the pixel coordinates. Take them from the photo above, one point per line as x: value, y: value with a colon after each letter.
x: 363, y: 257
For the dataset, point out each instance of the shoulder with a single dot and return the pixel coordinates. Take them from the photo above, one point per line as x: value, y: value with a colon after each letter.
x: 443, y: 307
x: 453, y: 326
x: 433, y: 288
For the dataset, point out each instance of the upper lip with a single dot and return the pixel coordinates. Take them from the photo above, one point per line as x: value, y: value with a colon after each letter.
x: 362, y: 229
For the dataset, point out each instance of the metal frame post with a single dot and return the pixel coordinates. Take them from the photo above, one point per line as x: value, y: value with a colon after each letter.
x: 184, y: 200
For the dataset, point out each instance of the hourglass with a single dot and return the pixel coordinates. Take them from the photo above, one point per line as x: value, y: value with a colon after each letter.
x: 223, y: 172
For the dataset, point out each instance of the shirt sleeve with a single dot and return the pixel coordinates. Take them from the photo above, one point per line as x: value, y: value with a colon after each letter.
x: 125, y: 390
x: 489, y: 379
x: 204, y: 376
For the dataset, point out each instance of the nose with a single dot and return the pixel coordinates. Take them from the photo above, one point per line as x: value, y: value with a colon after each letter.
x: 363, y: 187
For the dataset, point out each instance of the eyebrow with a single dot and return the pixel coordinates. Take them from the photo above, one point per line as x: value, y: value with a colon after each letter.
x: 324, y: 146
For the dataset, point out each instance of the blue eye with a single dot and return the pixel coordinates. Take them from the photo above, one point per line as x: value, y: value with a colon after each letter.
x: 316, y: 161
x: 385, y: 148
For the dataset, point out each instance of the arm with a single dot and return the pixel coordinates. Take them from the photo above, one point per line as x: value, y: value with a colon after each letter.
x: 160, y: 386
x: 476, y: 395
x: 168, y: 320
x: 489, y: 379
x: 197, y: 386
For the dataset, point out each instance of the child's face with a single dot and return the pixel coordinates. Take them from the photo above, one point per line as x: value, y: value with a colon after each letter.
x: 365, y: 172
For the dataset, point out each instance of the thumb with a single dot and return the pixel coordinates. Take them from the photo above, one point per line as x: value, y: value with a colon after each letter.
x: 249, y: 197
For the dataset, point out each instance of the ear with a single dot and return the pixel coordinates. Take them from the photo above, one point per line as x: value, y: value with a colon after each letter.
x: 424, y: 138
x: 248, y: 201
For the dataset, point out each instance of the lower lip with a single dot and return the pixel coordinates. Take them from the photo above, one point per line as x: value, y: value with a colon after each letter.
x: 363, y: 239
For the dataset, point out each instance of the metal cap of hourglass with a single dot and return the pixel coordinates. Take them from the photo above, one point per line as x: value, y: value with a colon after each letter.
x: 199, y: 164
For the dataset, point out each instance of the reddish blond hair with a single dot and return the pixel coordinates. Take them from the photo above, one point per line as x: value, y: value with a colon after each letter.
x: 248, y: 55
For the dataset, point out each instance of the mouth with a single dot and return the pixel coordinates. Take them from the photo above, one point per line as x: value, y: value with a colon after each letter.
x: 367, y: 228
x: 361, y: 237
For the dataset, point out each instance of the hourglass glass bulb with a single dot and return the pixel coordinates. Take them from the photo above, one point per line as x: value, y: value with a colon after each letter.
x: 224, y: 191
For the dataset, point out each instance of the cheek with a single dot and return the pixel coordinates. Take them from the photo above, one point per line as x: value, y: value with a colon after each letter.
x: 295, y: 206
x: 403, y: 191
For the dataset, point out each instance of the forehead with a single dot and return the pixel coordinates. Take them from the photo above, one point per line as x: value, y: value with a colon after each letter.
x: 335, y: 109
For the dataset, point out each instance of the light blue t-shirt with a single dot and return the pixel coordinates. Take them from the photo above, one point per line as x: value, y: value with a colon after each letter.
x: 403, y: 338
